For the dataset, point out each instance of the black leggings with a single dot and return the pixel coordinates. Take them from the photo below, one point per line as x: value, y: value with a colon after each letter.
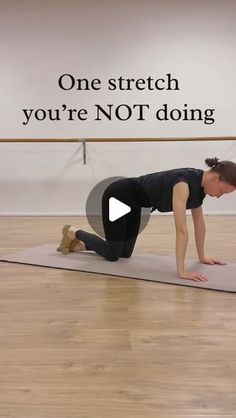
x: 121, y: 234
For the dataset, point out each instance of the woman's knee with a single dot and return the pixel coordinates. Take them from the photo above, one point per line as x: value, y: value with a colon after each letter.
x: 113, y: 250
x: 112, y: 257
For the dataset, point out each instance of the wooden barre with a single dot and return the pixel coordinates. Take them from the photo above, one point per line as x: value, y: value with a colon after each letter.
x: 87, y: 140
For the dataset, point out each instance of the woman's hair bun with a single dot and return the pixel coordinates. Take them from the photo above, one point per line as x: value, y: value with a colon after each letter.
x: 212, y: 162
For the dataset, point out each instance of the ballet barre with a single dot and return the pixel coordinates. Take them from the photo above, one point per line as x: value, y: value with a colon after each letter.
x: 88, y: 140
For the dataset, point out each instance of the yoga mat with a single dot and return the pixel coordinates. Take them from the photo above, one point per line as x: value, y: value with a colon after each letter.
x: 140, y: 266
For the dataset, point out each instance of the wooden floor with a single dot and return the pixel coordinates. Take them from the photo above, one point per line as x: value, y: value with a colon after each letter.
x: 79, y: 345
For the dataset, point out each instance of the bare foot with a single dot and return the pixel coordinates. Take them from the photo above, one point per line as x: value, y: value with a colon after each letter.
x: 78, y: 246
x: 71, y: 232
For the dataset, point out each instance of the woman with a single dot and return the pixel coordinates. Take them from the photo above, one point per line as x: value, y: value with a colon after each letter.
x: 172, y: 190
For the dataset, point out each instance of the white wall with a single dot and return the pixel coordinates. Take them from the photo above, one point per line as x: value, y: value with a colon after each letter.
x: 194, y: 41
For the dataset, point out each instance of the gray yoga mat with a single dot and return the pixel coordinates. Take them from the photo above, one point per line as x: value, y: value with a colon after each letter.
x: 140, y: 266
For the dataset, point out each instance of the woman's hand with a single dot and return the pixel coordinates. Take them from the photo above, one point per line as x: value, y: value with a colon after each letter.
x: 211, y: 261
x: 191, y: 275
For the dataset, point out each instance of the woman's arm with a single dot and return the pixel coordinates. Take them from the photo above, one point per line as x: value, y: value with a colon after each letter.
x: 199, y: 230
x: 180, y: 197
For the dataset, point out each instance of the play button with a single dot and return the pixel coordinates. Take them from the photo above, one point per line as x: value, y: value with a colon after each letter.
x: 117, y: 209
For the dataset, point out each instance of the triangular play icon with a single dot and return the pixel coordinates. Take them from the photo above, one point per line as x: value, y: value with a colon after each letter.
x: 117, y: 209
